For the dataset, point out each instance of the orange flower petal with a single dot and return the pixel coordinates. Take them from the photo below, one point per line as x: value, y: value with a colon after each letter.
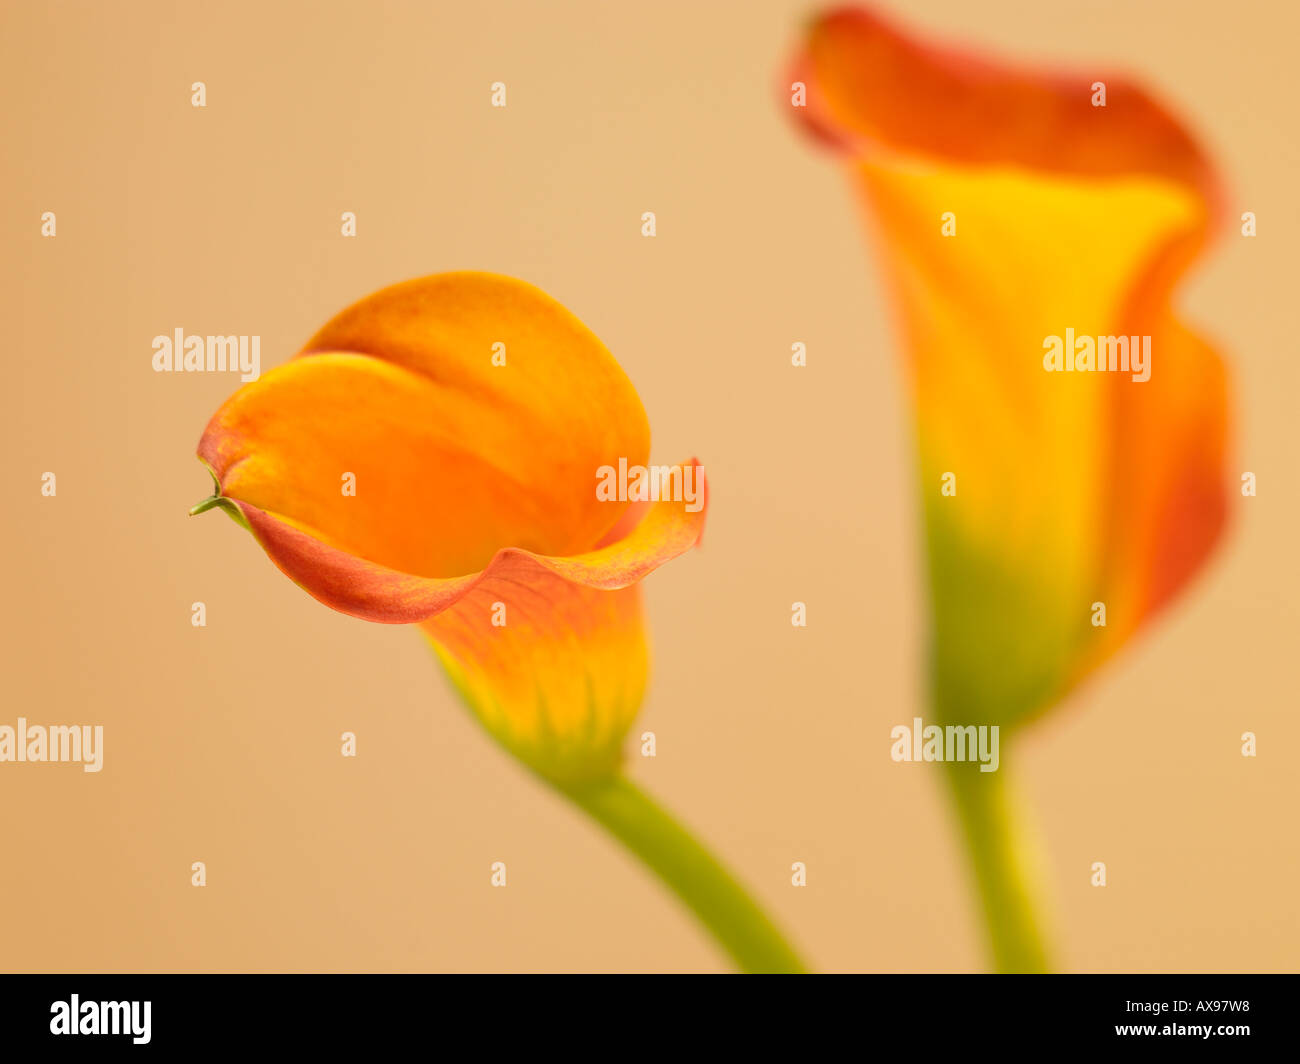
x: 560, y: 682
x: 453, y: 456
x: 1072, y: 488
x: 376, y: 592
x: 476, y: 511
x: 872, y: 88
x: 549, y: 653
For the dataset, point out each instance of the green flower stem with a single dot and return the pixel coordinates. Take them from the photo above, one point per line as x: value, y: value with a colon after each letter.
x: 720, y: 903
x: 1004, y: 866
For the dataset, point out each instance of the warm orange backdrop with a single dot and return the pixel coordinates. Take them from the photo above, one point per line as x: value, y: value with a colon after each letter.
x: 222, y: 744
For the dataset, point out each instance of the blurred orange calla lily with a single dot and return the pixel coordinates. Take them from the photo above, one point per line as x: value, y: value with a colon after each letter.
x: 1028, y: 222
x: 1013, y: 207
x: 431, y: 457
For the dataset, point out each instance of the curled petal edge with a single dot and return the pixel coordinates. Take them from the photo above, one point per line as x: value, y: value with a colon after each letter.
x: 953, y: 105
x: 373, y: 592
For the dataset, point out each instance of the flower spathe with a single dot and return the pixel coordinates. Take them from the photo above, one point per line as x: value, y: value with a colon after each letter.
x: 431, y: 457
x: 1009, y: 208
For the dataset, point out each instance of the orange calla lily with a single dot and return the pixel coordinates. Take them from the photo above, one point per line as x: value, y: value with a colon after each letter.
x: 473, y: 506
x: 1009, y: 208
x: 442, y: 454
x: 1026, y: 222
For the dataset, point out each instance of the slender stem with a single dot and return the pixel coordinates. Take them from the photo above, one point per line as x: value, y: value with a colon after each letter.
x: 1005, y: 871
x: 719, y: 902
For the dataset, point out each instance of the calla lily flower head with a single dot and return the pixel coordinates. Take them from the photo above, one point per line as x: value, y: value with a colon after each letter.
x: 432, y: 457
x: 1016, y: 212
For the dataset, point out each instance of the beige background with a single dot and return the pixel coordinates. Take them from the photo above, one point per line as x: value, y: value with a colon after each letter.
x: 222, y: 743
